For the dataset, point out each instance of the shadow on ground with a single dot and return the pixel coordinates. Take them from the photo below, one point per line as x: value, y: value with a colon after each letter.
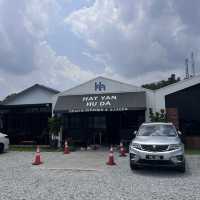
x: 162, y: 172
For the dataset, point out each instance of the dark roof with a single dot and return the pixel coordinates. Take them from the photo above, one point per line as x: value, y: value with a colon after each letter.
x: 14, y: 95
x: 130, y: 100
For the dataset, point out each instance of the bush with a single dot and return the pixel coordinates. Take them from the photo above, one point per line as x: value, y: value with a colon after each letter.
x: 157, y: 116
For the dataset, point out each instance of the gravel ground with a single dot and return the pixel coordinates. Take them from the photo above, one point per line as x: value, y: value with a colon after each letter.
x: 84, y: 176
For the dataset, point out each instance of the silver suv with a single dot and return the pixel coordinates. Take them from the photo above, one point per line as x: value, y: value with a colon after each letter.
x: 157, y: 144
x: 4, y: 142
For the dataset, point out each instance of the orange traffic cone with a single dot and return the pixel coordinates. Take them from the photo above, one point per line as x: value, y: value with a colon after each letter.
x: 111, y: 158
x: 66, y: 148
x: 37, y: 160
x: 122, y: 150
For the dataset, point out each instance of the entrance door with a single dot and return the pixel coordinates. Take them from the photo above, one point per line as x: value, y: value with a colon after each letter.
x: 104, y: 128
x: 113, y: 127
x: 97, y: 128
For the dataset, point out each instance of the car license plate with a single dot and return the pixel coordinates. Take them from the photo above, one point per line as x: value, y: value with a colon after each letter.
x: 154, y: 157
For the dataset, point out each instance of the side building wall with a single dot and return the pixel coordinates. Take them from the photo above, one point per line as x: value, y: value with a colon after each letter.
x: 161, y: 93
x: 24, y: 116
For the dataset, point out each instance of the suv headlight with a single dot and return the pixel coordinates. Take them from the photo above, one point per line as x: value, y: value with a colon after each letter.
x: 175, y: 146
x: 135, y: 146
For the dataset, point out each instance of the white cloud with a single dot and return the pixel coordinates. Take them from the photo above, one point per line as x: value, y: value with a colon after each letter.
x: 137, y: 36
x: 58, y: 68
x: 25, y: 57
x: 52, y: 70
x: 135, y: 41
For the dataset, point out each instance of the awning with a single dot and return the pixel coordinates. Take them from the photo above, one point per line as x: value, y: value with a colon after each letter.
x: 101, y: 102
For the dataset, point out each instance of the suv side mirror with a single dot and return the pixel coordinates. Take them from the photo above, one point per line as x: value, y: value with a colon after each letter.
x: 179, y: 133
x: 135, y: 133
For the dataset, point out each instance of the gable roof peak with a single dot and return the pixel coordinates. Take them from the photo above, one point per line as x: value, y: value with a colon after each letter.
x: 112, y: 86
x: 36, y: 85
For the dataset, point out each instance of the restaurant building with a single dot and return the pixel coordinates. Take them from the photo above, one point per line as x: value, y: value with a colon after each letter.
x: 101, y: 111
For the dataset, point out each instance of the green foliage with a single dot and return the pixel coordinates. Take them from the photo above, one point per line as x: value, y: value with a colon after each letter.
x: 72, y: 147
x: 154, y: 86
x: 54, y: 124
x: 157, y: 116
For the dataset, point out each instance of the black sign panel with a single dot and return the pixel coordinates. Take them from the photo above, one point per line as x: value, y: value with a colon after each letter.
x: 101, y: 102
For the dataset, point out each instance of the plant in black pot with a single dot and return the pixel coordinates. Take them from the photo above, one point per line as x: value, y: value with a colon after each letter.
x: 54, y: 124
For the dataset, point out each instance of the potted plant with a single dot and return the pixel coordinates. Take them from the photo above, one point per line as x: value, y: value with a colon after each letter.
x: 54, y: 124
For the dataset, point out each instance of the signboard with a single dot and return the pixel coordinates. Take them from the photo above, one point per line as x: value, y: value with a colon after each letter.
x: 101, y: 102
x: 99, y: 86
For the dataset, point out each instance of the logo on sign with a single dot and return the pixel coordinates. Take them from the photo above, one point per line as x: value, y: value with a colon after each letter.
x: 100, y: 86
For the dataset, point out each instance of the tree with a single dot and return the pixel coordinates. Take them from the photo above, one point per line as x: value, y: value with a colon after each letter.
x: 156, y: 85
x: 157, y: 116
x: 54, y: 125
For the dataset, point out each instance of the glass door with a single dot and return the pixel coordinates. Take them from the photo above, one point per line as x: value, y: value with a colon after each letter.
x: 97, y: 127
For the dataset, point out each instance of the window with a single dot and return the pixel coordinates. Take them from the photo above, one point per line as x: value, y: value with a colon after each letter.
x: 90, y: 122
x: 1, y: 123
x: 97, y: 122
x: 100, y: 122
x: 157, y: 130
x: 66, y: 121
x: 75, y: 122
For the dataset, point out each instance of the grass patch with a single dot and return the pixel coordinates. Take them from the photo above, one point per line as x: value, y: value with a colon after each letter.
x: 192, y: 151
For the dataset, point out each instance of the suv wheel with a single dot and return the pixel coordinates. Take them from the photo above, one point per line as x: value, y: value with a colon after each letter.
x: 133, y: 166
x: 1, y: 148
x: 181, y: 168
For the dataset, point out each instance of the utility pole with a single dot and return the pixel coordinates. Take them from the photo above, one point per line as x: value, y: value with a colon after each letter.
x: 186, y: 69
x: 193, y: 64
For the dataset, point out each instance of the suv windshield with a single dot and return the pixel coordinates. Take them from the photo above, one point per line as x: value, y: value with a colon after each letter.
x: 157, y: 130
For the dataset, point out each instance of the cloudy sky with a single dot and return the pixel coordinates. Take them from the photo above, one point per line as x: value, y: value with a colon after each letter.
x: 61, y: 43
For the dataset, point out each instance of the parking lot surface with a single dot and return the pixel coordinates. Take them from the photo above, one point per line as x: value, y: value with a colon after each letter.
x: 85, y: 176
